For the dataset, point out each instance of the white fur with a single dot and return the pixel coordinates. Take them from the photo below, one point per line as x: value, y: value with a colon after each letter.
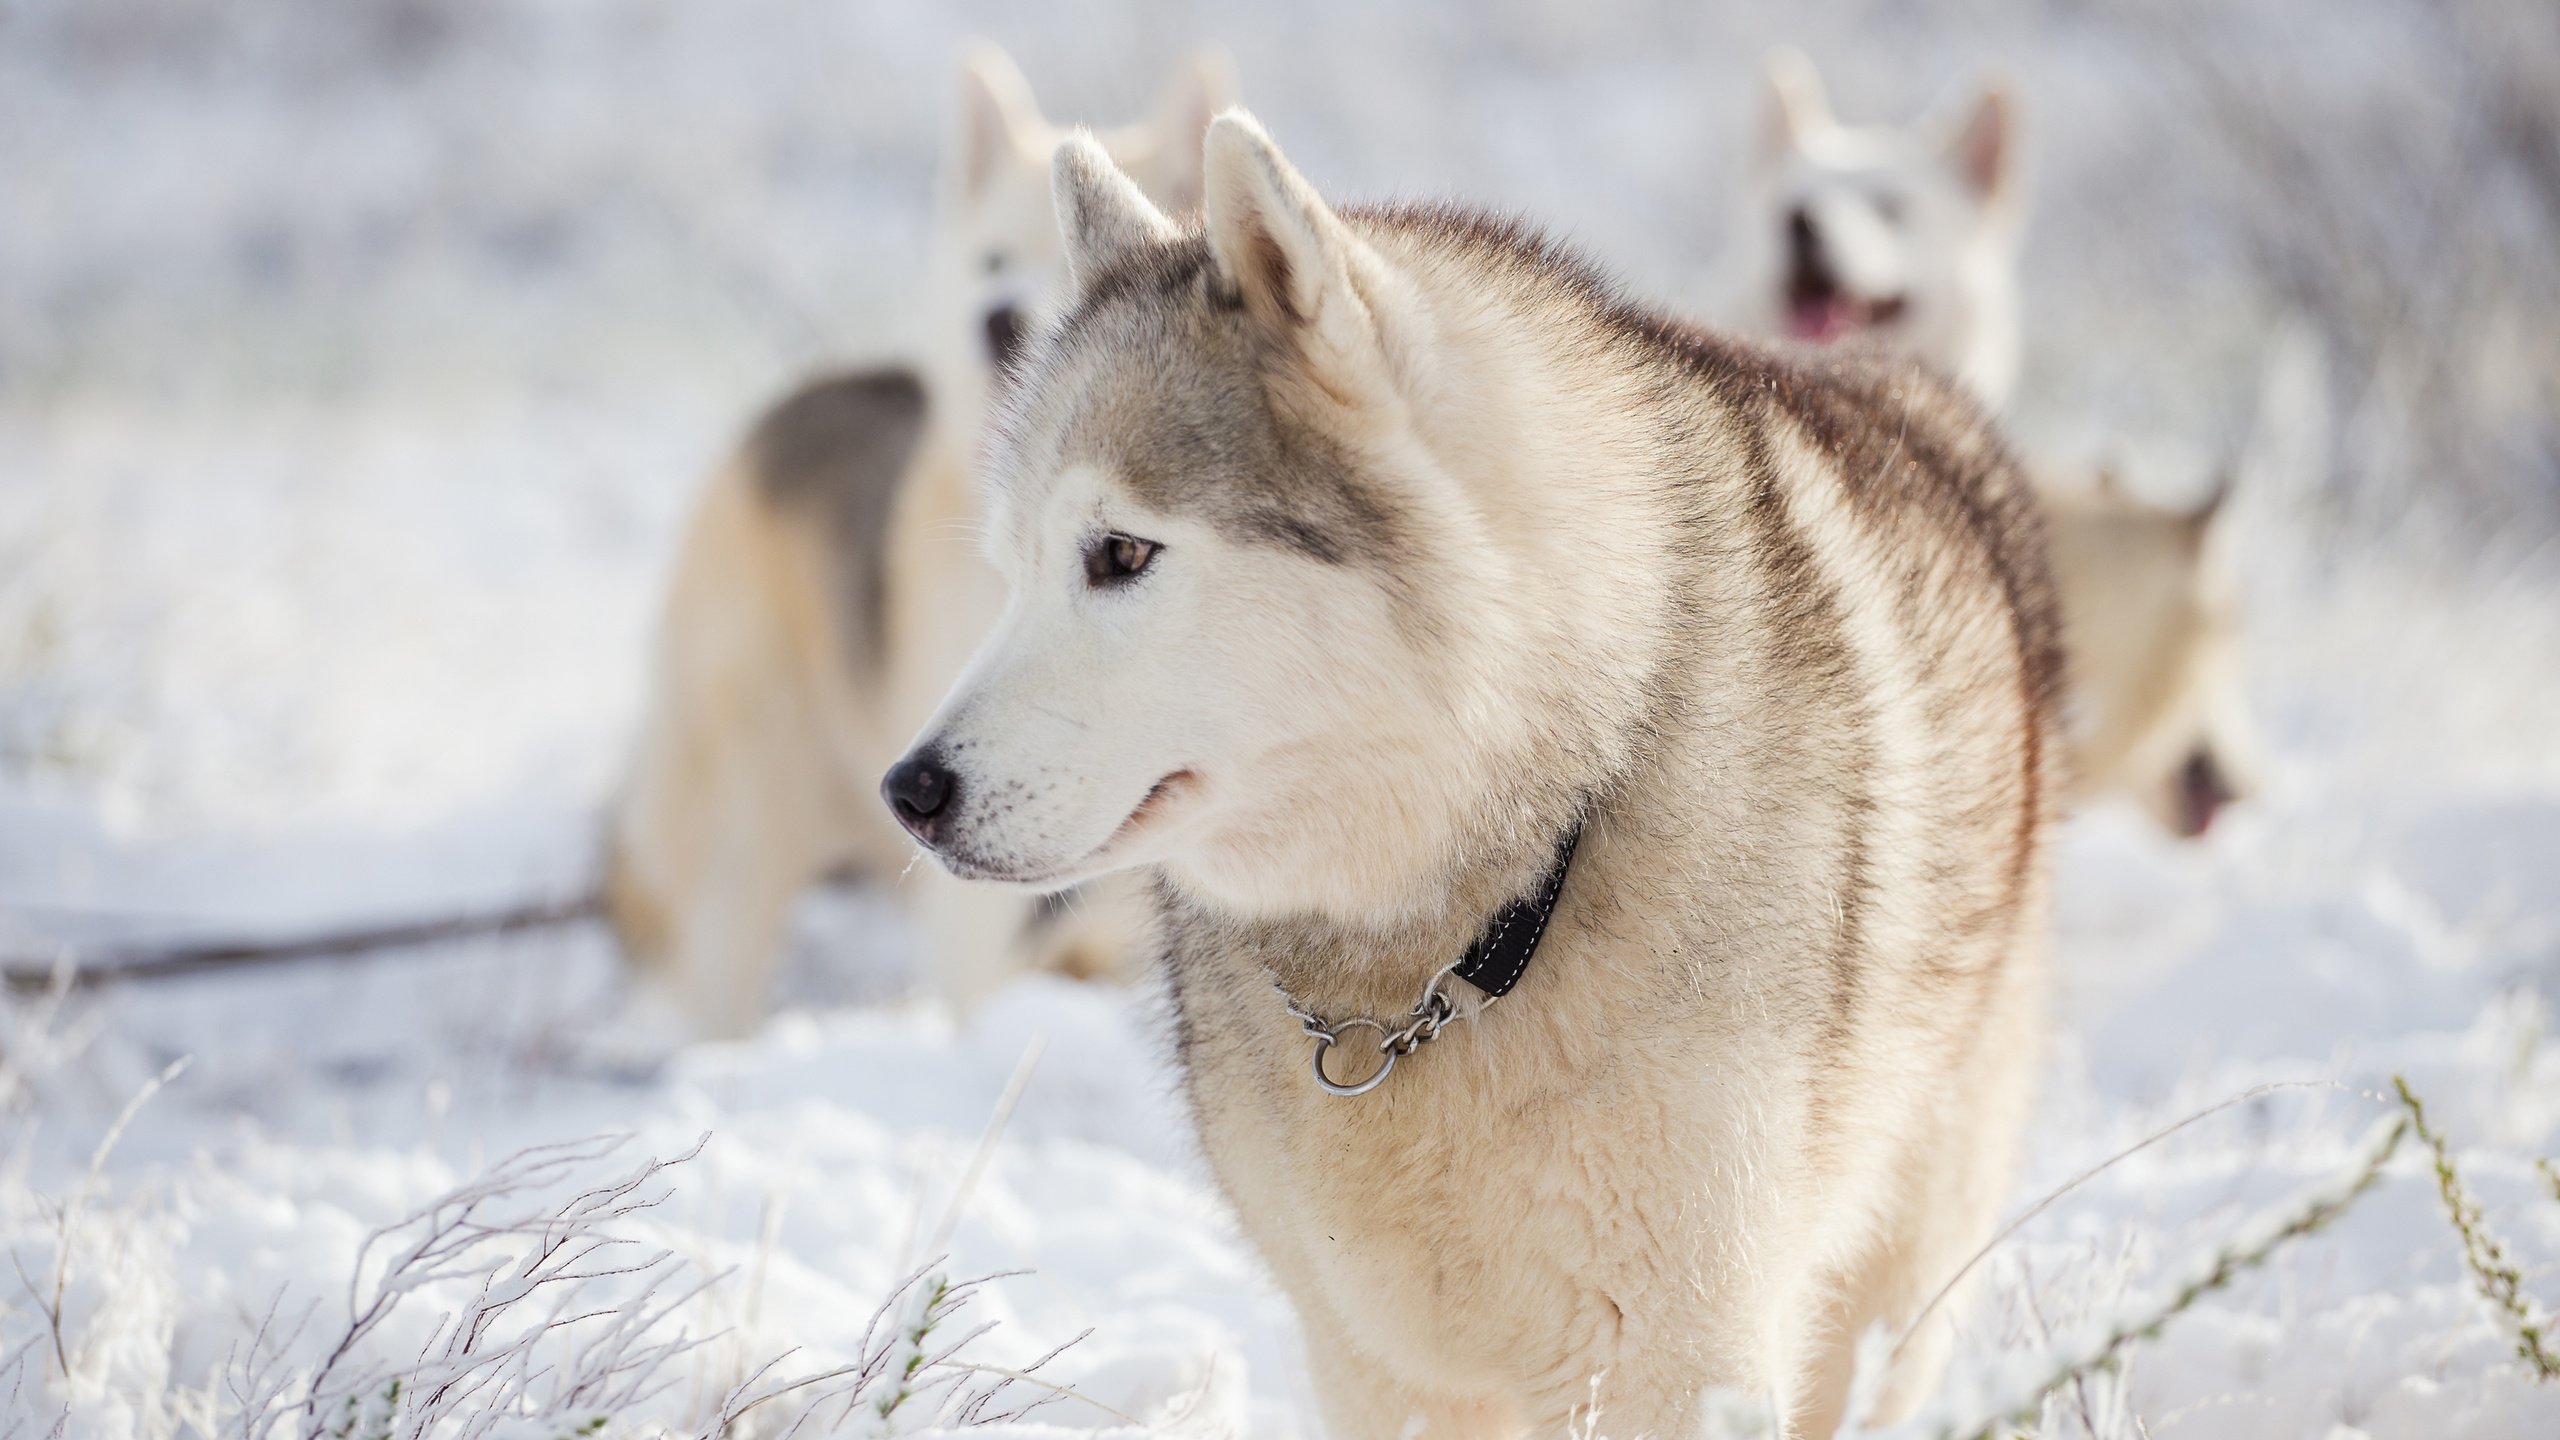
x: 1924, y: 216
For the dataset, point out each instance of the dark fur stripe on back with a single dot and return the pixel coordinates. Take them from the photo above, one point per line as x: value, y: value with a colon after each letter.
x: 1947, y: 462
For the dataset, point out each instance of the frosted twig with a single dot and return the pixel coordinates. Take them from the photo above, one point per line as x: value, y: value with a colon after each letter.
x: 2083, y: 1178
x: 996, y: 1122
x: 2252, y: 1246
x: 2483, y: 1253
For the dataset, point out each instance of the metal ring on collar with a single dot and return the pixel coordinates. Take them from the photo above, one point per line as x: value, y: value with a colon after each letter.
x: 1386, y: 1061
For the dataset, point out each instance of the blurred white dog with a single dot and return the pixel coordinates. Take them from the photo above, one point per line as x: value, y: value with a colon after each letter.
x: 827, y: 591
x: 1908, y: 234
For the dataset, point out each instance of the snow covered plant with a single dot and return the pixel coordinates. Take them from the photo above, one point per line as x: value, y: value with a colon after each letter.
x: 2013, y: 1400
x: 2500, y: 1282
x: 553, y: 1325
x: 907, y: 1374
x: 529, y: 1341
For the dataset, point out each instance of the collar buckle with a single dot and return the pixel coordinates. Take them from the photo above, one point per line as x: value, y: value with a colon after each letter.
x: 1493, y: 965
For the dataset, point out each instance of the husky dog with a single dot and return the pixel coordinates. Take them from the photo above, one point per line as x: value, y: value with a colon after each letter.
x: 1908, y: 235
x: 2152, y: 627
x: 827, y: 591
x: 1362, y: 559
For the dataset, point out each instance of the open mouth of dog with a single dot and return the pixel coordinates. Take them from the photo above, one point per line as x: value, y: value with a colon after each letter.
x: 1158, y: 797
x: 2202, y: 794
x: 1819, y: 310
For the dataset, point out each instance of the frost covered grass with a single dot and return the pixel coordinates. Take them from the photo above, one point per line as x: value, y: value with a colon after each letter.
x: 2492, y: 1268
x: 533, y: 1299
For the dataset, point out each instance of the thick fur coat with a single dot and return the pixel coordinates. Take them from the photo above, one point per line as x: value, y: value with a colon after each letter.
x: 1356, y: 557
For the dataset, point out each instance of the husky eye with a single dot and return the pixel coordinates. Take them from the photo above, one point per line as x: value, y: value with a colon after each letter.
x: 1889, y: 208
x: 1113, y: 558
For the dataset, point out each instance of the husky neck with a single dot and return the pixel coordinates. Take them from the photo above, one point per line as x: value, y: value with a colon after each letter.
x: 1547, y: 585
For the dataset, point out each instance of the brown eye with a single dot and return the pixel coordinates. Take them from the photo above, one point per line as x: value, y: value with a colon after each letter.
x: 1116, y: 557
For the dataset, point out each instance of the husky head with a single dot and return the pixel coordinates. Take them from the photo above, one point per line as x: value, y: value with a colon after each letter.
x: 2152, y: 626
x: 1224, y: 502
x: 997, y: 269
x: 1905, y: 234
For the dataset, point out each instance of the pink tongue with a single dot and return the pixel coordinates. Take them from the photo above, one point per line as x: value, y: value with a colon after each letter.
x: 1821, y: 319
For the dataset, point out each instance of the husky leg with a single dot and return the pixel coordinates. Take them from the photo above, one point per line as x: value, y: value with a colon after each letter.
x: 975, y: 934
x: 1361, y: 1401
x: 1954, y: 1190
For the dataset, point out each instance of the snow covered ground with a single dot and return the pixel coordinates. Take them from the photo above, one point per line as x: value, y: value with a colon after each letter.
x: 356, y: 364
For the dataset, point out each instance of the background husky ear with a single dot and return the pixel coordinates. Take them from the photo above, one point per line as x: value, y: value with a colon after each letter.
x: 1982, y: 145
x: 1203, y: 85
x: 1279, y: 248
x: 1795, y: 105
x: 1102, y: 213
x: 2209, y: 520
x: 994, y: 115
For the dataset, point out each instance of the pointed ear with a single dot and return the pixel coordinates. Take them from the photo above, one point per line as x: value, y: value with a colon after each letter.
x: 1982, y: 144
x: 1101, y: 212
x: 1278, y: 247
x: 2205, y: 520
x: 1795, y: 106
x: 1178, y: 127
x: 993, y: 116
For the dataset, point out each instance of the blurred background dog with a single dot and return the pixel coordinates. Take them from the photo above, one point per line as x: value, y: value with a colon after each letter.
x: 1908, y: 237
x: 828, y: 589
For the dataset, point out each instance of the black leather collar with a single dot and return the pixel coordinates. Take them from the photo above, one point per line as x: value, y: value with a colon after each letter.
x: 1501, y: 955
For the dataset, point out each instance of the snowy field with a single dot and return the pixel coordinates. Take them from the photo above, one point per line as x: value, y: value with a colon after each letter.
x: 357, y: 362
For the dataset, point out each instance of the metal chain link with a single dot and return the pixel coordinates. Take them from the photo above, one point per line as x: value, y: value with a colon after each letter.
x: 1430, y: 1015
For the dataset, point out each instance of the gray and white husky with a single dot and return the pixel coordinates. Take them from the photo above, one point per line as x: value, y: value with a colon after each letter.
x: 1362, y: 560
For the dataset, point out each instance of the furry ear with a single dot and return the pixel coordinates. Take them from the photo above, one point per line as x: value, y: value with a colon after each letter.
x: 1101, y: 212
x: 993, y: 115
x: 1982, y: 146
x: 1278, y: 247
x: 1204, y: 85
x: 1796, y: 105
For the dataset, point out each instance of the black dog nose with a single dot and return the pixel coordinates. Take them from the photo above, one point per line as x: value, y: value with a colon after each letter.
x: 919, y: 790
x: 1004, y: 335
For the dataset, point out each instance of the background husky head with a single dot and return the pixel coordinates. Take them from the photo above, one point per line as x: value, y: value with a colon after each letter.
x: 2152, y: 627
x: 765, y: 708
x: 997, y: 269
x: 1907, y: 234
x: 1235, y: 546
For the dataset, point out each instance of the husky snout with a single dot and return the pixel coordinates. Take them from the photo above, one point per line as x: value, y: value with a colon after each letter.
x: 923, y: 791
